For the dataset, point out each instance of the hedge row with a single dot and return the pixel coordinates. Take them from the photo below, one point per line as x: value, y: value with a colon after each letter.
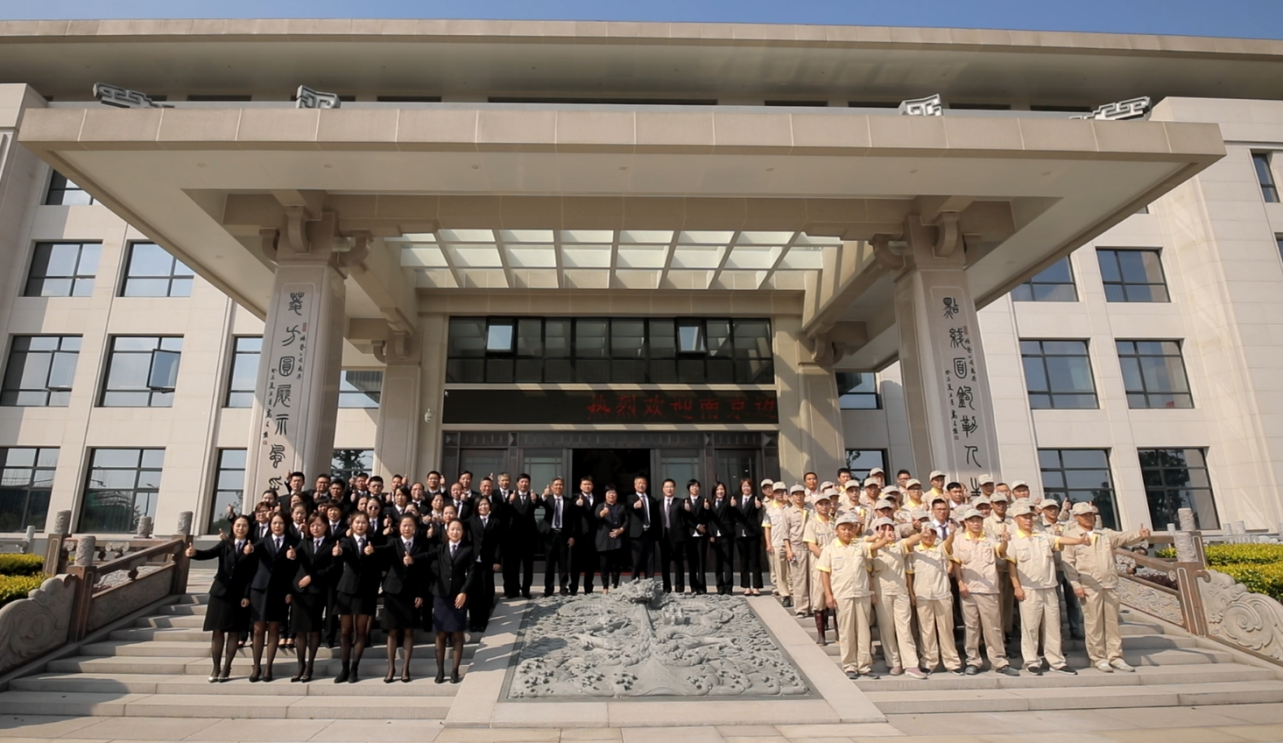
x: 14, y: 587
x: 16, y: 564
x: 1236, y: 554
x: 1265, y: 579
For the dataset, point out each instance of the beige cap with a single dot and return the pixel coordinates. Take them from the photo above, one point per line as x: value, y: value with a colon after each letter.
x: 796, y: 489
x: 935, y: 474
x: 1082, y: 508
x: 981, y: 501
x: 825, y: 495
x: 1019, y: 484
x: 918, y: 514
x: 970, y: 513
x: 852, y: 485
x: 1048, y: 503
x: 890, y: 490
x: 884, y: 503
x: 779, y: 486
x: 877, y: 471
x: 826, y: 485
x: 985, y: 480
x: 848, y: 518
x: 881, y: 522
x: 870, y: 482
x: 999, y: 497
x: 1022, y: 508
x: 767, y: 483
x: 911, y: 483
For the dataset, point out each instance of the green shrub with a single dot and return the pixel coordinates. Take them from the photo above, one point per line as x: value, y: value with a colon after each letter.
x: 15, y: 564
x: 1264, y: 579
x: 1235, y: 554
x: 14, y: 587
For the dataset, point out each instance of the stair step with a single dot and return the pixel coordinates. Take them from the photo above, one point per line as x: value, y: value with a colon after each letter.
x: 196, y: 634
x: 171, y: 649
x: 104, y: 683
x: 185, y: 610
x: 124, y: 665
x: 77, y: 704
x: 1087, y: 677
x: 1091, y: 697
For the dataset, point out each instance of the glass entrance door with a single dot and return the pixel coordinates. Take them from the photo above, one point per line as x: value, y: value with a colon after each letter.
x: 735, y: 464
x: 543, y: 465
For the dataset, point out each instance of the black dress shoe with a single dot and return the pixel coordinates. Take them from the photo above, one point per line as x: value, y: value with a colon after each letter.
x: 342, y: 677
x: 254, y: 677
x: 971, y: 671
x: 440, y: 679
x: 525, y: 594
x: 390, y: 677
x: 353, y: 678
x: 454, y: 677
x: 267, y: 677
x: 405, y: 677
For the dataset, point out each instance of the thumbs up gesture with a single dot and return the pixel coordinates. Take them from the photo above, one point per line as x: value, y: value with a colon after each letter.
x: 757, y: 503
x: 222, y: 535
x: 734, y: 504
x: 579, y: 501
x: 707, y: 504
x: 512, y: 497
x: 338, y: 550
x: 686, y: 504
x: 289, y: 553
x: 1144, y: 532
x: 249, y: 549
x: 637, y: 504
x: 407, y: 560
x: 190, y: 551
x: 369, y: 549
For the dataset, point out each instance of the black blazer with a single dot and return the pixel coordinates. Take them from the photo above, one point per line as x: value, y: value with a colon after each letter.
x: 679, y: 520
x: 487, y: 540
x: 719, y: 518
x: 587, y: 524
x: 361, y: 572
x: 748, y: 519
x: 275, y: 571
x: 257, y: 531
x: 637, y: 519
x: 569, y: 517
x: 320, y: 564
x: 463, y: 509
x: 616, y: 516
x: 522, y: 528
x: 409, y: 581
x: 235, y: 570
x: 453, y: 577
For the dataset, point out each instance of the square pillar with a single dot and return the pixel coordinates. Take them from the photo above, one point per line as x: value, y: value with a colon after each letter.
x: 946, y: 384
x: 296, y: 398
x: 396, y: 439
x: 810, y: 421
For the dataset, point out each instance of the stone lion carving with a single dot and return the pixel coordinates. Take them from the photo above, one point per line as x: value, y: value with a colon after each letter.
x: 31, y: 626
x: 1239, y: 617
x: 640, y: 641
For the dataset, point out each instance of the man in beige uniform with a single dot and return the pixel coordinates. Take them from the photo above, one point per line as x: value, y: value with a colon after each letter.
x: 931, y: 594
x: 1090, y: 569
x: 795, y: 551
x: 844, y: 569
x: 997, y: 524
x: 895, y: 613
x: 773, y: 532
x: 820, y: 530
x: 1033, y: 580
x: 975, y: 558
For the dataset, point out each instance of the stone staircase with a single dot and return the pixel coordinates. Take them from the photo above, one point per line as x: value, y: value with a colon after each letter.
x: 1171, y: 671
x: 160, y: 668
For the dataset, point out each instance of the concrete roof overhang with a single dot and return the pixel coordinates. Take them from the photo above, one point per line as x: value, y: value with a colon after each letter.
x: 212, y: 184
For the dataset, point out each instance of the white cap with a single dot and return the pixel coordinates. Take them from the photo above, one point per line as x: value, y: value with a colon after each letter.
x: 796, y: 489
x: 870, y: 482
x: 767, y: 483
x: 911, y: 483
x: 1019, y: 484
x: 884, y: 503
x: 779, y: 486
x: 881, y: 522
x: 826, y: 485
x: 935, y: 474
x: 1048, y: 503
x: 985, y: 480
x: 1082, y: 508
x: 1022, y: 508
x: 877, y: 471
x: 852, y: 485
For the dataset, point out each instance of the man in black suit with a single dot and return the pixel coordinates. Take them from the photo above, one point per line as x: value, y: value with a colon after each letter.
x: 673, y: 526
x: 486, y: 531
x: 558, y: 527
x: 643, y: 529
x: 519, y: 544
x: 461, y: 498
x: 583, y: 558
x: 465, y: 479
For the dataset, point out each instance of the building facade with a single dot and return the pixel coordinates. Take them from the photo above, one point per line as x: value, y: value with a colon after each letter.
x: 703, y: 252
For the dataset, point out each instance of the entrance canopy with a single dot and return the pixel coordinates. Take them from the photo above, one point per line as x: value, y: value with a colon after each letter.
x: 425, y: 200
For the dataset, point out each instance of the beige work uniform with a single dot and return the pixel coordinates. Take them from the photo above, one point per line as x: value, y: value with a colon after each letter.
x: 978, y: 563
x: 1031, y: 556
x: 819, y: 532
x: 848, y: 568
x: 1006, y: 595
x: 799, y: 568
x: 1091, y: 567
x: 895, y: 614
x: 778, y: 561
x: 933, y: 597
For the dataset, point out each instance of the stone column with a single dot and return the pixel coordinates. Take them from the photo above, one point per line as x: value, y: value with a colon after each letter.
x: 396, y: 439
x: 296, y: 399
x: 946, y: 384
x: 810, y: 421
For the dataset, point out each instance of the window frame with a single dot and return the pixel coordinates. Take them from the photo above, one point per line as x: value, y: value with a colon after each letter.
x: 237, y: 356
x: 357, y: 394
x: 29, y: 487
x: 1126, y: 286
x: 151, y: 494
x: 1263, y: 168
x: 1047, y: 391
x: 157, y: 397
x: 49, y: 392
x: 216, y: 520
x: 61, y: 184
x: 81, y: 284
x: 176, y: 282
x: 1108, y: 510
x: 1144, y: 391
x: 1162, y: 491
x: 857, y: 471
x: 340, y: 470
x: 1030, y: 287
x: 850, y: 396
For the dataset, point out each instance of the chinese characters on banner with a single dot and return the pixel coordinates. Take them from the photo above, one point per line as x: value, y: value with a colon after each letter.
x: 955, y: 342
x: 659, y: 408
x: 620, y: 407
x: 286, y: 360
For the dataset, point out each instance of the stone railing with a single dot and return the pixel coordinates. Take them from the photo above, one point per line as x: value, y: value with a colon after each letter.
x: 22, y: 544
x: 88, y: 595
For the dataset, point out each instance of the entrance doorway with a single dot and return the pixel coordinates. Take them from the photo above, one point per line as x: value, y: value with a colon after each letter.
x: 616, y: 467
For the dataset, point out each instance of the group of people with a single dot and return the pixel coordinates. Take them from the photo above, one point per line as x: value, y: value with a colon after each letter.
x: 309, y: 563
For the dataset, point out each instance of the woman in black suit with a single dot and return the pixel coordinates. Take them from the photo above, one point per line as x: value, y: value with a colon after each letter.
x: 312, y: 584
x: 454, y: 576
x: 270, y: 592
x: 227, y: 615
x: 358, y: 592
x: 404, y: 586
x: 748, y: 537
x: 486, y: 531
x: 612, y: 530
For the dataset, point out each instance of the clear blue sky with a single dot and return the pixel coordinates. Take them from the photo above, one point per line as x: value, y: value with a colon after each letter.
x: 1239, y: 18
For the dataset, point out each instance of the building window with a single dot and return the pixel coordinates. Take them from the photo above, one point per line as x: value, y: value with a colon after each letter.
x: 123, y: 487
x: 26, y: 482
x: 597, y: 350
x: 1132, y: 275
x: 142, y: 372
x: 1261, y: 161
x: 1058, y: 374
x: 1080, y: 475
x: 346, y: 463
x: 1279, y: 239
x: 860, y: 461
x: 40, y: 371
x: 246, y: 351
x: 1054, y: 283
x: 63, y: 270
x: 858, y: 391
x: 152, y: 272
x: 63, y: 192
x: 1176, y: 479
x: 1154, y: 374
x: 360, y: 389
x: 229, y: 490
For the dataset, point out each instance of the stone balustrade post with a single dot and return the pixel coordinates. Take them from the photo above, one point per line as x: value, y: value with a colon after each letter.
x: 182, y: 563
x: 55, y: 550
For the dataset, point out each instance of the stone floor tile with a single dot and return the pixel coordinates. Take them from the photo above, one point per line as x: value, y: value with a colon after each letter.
x: 591, y: 734
x: 1259, y: 714
x: 670, y: 735
x: 144, y: 728
x: 499, y: 735
x: 1259, y: 733
x: 1075, y: 737
x: 1168, y: 717
x: 944, y: 738
x: 838, y: 730
x: 1172, y: 735
x: 752, y: 738
x: 960, y: 723
x: 60, y: 740
x: 747, y: 731
x: 40, y: 726
x: 385, y: 731
x: 260, y: 730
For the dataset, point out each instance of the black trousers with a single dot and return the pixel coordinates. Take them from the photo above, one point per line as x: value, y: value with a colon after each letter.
x: 481, y: 606
x: 672, y: 565
x: 697, y: 561
x: 723, y: 563
x: 557, y: 560
x: 750, y: 549
x: 612, y: 563
x: 583, y: 561
x: 643, y: 550
x: 518, y: 568
x: 331, y: 614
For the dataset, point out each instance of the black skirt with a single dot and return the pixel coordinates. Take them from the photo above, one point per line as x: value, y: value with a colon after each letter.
x: 226, y: 615
x: 306, y: 616
x: 364, y: 603
x: 446, y: 618
x: 268, y: 606
x: 399, y: 612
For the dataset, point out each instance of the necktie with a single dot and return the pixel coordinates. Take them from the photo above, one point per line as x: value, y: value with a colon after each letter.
x: 556, y: 517
x: 484, y: 520
x: 645, y: 510
x: 319, y: 542
x: 239, y: 545
x: 278, y: 544
x: 360, y: 544
x: 668, y: 503
x: 453, y: 548
x: 408, y: 545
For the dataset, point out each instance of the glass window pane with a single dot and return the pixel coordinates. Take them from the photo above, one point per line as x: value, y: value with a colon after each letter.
x: 557, y: 338
x: 467, y: 336
x: 89, y: 254
x: 1108, y: 266
x: 530, y: 337
x: 499, y: 337
x: 718, y: 337
x: 149, y: 259
x: 628, y: 339
x: 690, y: 337
x: 663, y: 342
x: 590, y: 339
x: 164, y: 370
